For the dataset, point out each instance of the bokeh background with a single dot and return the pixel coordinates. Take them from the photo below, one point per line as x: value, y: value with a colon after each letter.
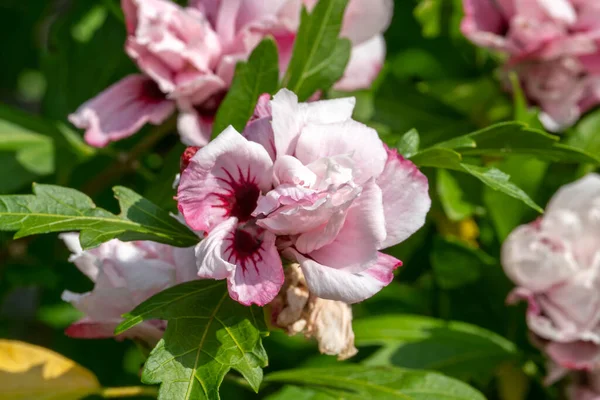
x: 58, y: 53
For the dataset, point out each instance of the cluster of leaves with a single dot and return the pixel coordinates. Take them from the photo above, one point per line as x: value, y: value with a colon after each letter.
x: 437, y: 101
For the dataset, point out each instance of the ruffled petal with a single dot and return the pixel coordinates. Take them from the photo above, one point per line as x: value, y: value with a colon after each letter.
x: 355, y: 246
x: 223, y: 179
x: 335, y: 284
x: 351, y: 138
x: 405, y: 198
x: 121, y: 110
x: 289, y: 117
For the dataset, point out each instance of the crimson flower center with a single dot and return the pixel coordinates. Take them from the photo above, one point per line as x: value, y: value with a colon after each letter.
x: 152, y: 93
x: 241, y: 195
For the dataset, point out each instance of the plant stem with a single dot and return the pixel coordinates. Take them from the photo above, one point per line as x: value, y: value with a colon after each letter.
x: 128, y: 391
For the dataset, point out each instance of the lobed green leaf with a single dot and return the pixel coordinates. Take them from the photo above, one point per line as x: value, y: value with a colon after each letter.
x: 58, y: 209
x: 207, y: 335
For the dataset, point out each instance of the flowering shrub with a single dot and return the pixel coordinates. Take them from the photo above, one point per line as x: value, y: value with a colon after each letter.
x: 310, y: 199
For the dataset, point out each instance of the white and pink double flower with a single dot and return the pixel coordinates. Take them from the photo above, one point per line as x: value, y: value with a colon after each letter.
x: 308, y: 183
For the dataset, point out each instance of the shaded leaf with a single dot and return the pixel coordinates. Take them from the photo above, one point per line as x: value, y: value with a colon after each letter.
x: 207, y: 335
x: 455, y: 348
x: 438, y: 157
x: 408, y: 145
x: 360, y: 382
x: 58, y: 209
x: 260, y: 74
x: 456, y: 264
x: 452, y: 197
x: 506, y: 212
x: 33, y: 372
x: 320, y: 56
x: 516, y: 138
x: 498, y: 180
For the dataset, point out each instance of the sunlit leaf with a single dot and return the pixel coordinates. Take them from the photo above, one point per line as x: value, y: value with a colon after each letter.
x: 368, y: 382
x: 208, y: 334
x: 58, y: 209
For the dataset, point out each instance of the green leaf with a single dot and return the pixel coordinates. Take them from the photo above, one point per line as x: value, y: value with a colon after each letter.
x: 508, y: 138
x: 296, y: 393
x: 454, y: 348
x: 366, y: 382
x: 585, y: 134
x: 58, y: 209
x: 320, y: 56
x: 438, y: 157
x: 455, y: 264
x: 408, y: 145
x: 506, y: 212
x: 498, y: 180
x: 208, y: 334
x: 451, y: 197
x: 260, y: 74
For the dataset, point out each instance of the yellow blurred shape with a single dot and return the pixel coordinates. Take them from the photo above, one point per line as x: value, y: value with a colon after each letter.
x: 465, y: 230
x: 33, y: 372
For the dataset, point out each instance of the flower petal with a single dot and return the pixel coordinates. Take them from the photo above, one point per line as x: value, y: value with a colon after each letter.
x: 366, y: 60
x: 365, y: 19
x: 337, y: 284
x: 405, y: 198
x: 121, y: 110
x: 258, y: 281
x: 358, y: 141
x: 355, y: 246
x: 223, y: 179
x: 209, y: 252
x: 289, y: 117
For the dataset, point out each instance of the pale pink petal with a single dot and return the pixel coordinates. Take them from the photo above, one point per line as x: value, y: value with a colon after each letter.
x: 185, y: 264
x: 147, y: 279
x: 535, y: 260
x: 289, y: 117
x: 88, y: 329
x: 561, y: 10
x: 194, y: 129
x: 288, y: 169
x: 405, y: 198
x: 121, y: 110
x: 170, y: 44
x: 335, y: 284
x: 209, y: 252
x: 365, y: 19
x: 223, y: 179
x: 366, y: 60
x: 356, y: 244
x: 575, y: 355
x: 484, y: 23
x: 576, y: 196
x: 261, y: 131
x: 316, y: 217
x: 352, y: 138
x: 86, y: 261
